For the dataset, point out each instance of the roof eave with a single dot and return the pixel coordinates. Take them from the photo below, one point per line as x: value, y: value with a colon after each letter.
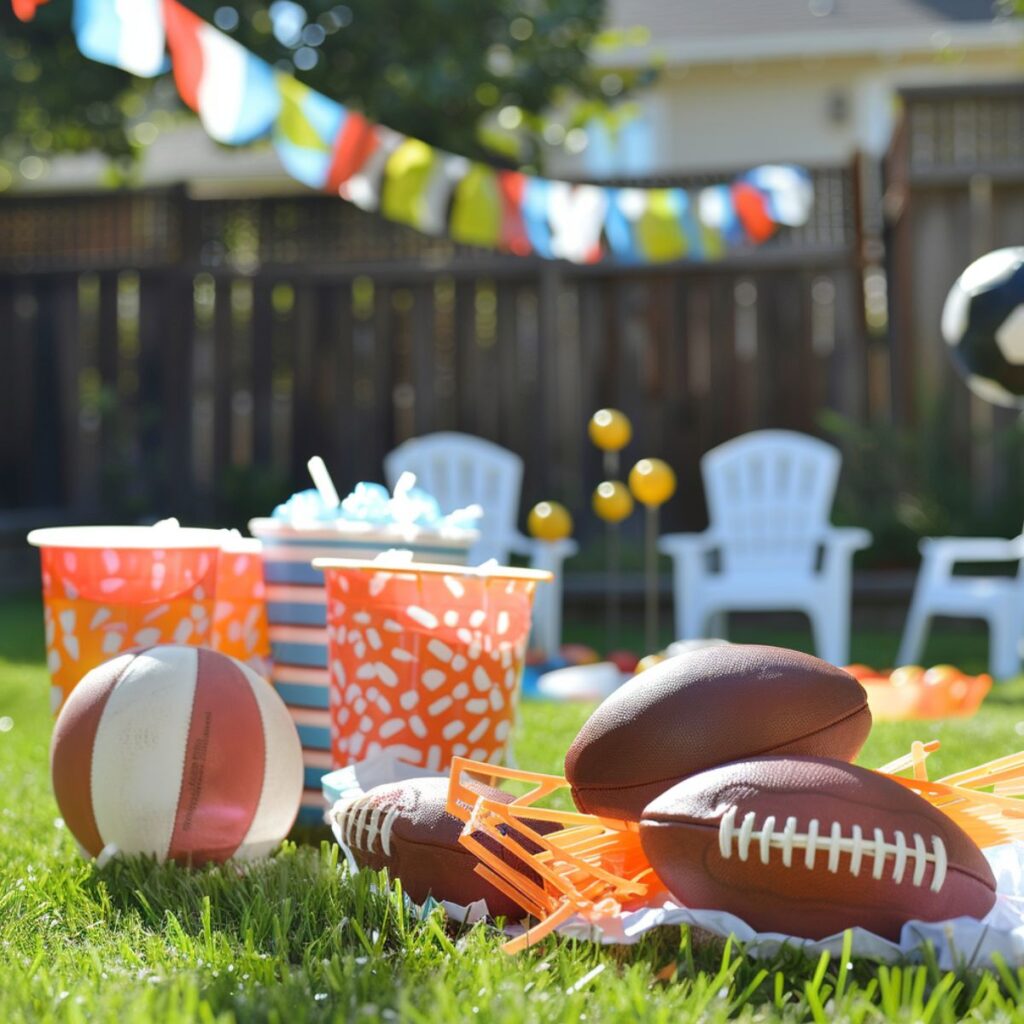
x: 819, y: 43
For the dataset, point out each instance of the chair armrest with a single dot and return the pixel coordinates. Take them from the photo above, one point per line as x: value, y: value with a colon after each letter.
x: 839, y: 544
x: 947, y: 551
x: 685, y: 545
x: 520, y: 545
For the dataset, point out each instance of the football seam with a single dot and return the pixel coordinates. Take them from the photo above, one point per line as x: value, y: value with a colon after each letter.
x: 602, y: 786
x: 691, y: 823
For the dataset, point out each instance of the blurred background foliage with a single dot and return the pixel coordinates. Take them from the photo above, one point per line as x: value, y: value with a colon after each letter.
x: 906, y: 483
x: 502, y: 80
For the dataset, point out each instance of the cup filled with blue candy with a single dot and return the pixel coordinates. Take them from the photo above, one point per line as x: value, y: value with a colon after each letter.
x: 366, y: 523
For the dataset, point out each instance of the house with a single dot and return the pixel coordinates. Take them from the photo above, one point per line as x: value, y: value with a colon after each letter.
x: 808, y: 81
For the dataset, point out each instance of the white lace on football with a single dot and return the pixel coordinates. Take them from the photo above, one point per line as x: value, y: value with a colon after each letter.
x: 831, y: 841
x: 363, y: 824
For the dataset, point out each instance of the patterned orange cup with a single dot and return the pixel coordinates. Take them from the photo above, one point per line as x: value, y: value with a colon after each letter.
x: 240, y: 611
x: 425, y: 660
x: 107, y: 589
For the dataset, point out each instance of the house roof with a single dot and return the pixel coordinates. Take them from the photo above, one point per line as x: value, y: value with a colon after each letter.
x: 709, y: 31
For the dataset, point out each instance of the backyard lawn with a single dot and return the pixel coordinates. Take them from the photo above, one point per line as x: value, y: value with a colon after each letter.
x: 297, y: 939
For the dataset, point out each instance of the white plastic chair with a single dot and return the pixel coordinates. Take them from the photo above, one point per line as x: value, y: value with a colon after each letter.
x: 770, y: 544
x: 999, y: 600
x: 459, y: 470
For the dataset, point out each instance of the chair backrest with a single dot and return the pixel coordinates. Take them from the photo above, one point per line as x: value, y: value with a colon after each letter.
x: 459, y: 470
x: 769, y: 496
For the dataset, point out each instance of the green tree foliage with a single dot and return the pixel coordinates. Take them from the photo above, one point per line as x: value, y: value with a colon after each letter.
x: 474, y: 76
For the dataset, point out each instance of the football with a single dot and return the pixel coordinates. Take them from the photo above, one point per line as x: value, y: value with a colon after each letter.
x: 983, y: 325
x: 810, y: 847
x: 705, y: 708
x: 404, y: 827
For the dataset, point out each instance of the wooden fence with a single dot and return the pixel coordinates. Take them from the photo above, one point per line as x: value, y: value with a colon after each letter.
x: 955, y: 191
x: 166, y: 355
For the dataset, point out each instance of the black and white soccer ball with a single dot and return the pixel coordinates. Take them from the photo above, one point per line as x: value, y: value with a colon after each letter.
x: 983, y: 324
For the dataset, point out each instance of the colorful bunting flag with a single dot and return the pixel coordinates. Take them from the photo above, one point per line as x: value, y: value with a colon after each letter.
x: 752, y: 211
x: 25, y: 10
x: 363, y: 185
x: 789, y: 191
x: 126, y: 33
x: 476, y: 208
x: 239, y: 98
x: 514, y: 236
x: 576, y: 215
x: 418, y: 183
x: 304, y: 133
x: 659, y: 231
x: 352, y: 148
x: 232, y: 91
x: 536, y: 197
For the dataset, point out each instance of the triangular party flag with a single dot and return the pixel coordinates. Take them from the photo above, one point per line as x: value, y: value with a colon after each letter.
x: 534, y: 212
x: 405, y: 179
x: 232, y: 91
x: 363, y: 187
x: 514, y: 237
x: 418, y: 182
x: 353, y: 146
x: 25, y: 10
x: 718, y: 219
x: 129, y: 34
x: 476, y: 209
x: 659, y: 231
x: 625, y: 208
x: 307, y: 124
x: 789, y: 192
x: 576, y: 215
x: 752, y: 209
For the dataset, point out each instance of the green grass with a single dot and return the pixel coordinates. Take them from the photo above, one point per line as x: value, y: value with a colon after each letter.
x: 298, y: 939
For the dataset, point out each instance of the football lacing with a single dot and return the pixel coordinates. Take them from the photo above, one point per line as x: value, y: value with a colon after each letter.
x: 878, y: 849
x: 360, y: 817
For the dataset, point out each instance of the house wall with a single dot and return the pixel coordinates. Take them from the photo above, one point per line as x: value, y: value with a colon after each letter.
x: 812, y: 111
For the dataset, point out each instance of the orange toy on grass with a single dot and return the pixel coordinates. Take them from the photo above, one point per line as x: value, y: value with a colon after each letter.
x: 913, y: 692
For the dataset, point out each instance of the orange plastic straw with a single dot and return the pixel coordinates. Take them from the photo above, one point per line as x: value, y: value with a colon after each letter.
x: 592, y: 866
x: 989, y: 818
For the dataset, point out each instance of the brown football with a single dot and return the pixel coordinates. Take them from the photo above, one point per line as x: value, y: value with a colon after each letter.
x: 708, y: 707
x: 809, y: 847
x: 404, y: 827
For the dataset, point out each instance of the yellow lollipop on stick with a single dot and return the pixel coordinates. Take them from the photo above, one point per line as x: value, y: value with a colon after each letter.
x: 611, y: 431
x: 548, y: 520
x: 652, y: 483
x: 612, y: 502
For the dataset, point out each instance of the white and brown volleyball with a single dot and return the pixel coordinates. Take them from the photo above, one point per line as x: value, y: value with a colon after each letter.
x: 177, y: 752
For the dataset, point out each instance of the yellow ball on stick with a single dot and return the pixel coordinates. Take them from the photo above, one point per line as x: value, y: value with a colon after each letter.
x: 652, y: 482
x: 612, y: 501
x: 548, y: 520
x: 610, y: 429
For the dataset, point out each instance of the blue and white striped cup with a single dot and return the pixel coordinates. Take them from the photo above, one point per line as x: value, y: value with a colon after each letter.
x: 297, y: 618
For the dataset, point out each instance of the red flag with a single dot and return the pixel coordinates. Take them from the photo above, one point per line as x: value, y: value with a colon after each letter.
x: 353, y: 147
x: 25, y: 10
x: 752, y: 210
x: 182, y: 28
x: 512, y: 185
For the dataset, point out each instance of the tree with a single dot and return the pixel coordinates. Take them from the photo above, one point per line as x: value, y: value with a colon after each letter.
x: 478, y: 77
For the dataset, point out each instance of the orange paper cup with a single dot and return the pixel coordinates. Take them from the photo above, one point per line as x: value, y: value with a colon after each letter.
x: 240, y: 610
x: 107, y: 589
x: 425, y: 660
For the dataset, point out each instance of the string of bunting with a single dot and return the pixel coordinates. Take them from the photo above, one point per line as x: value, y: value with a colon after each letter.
x: 240, y: 98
